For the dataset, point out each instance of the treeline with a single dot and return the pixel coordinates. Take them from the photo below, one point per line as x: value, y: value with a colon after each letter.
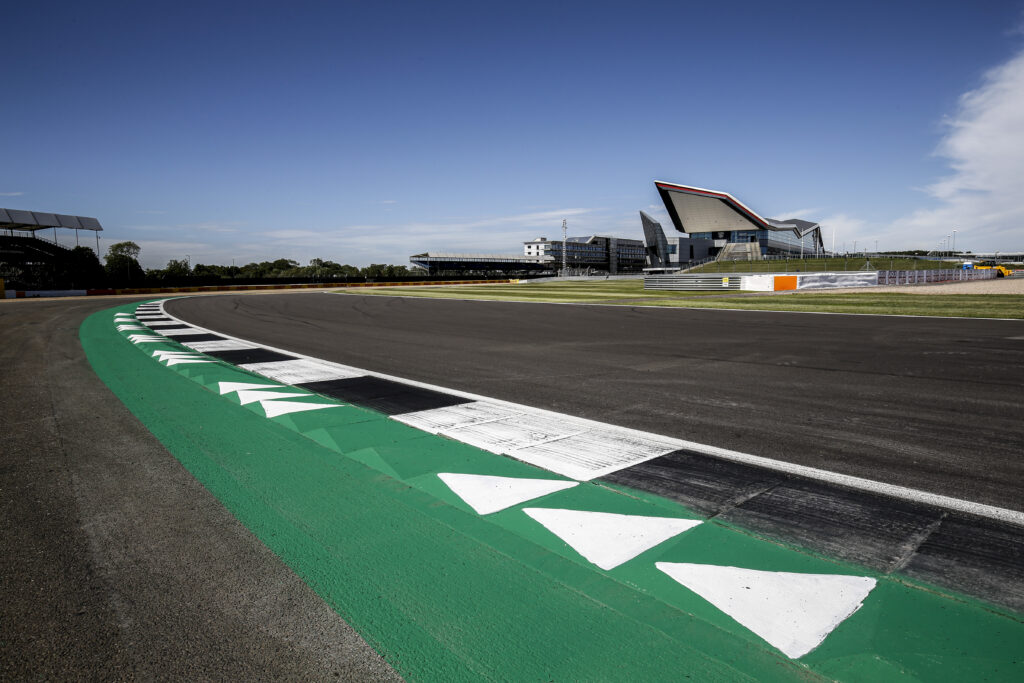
x: 81, y: 269
x: 318, y: 269
x: 123, y: 258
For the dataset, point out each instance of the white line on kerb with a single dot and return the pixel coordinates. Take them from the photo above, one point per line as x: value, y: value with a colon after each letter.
x: 845, y: 480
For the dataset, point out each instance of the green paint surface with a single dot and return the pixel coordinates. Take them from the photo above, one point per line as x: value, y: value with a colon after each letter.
x: 350, y: 500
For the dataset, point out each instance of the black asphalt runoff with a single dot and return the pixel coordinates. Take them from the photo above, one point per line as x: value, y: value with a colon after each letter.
x: 928, y: 403
x: 115, y: 564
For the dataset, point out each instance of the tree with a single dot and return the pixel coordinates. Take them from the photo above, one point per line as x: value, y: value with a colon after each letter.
x: 122, y: 265
x: 382, y: 270
x: 129, y: 249
x: 283, y: 264
x: 177, y: 268
x: 84, y: 269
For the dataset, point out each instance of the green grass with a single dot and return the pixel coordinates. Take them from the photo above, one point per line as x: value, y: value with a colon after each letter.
x: 820, y: 264
x: 894, y: 303
x: 632, y: 293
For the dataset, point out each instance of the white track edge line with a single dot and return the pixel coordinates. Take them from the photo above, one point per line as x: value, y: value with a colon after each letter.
x: 846, y: 480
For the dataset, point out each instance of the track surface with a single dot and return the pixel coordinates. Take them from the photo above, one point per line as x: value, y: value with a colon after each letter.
x: 933, y: 404
x: 114, y: 562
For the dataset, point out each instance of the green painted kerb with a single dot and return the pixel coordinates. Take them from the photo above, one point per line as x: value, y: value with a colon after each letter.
x: 350, y: 500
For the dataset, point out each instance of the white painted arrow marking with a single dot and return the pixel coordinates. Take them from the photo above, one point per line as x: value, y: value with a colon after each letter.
x: 608, y: 539
x: 187, y: 361
x: 487, y: 494
x: 164, y: 355
x: 793, y: 612
x: 180, y: 358
x: 249, y: 396
x: 228, y: 387
x: 276, y: 408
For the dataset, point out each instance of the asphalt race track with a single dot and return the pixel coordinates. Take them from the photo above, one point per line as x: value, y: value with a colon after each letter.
x: 932, y: 404
x: 116, y: 563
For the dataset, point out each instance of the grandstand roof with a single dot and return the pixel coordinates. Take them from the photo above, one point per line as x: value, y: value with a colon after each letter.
x: 16, y: 219
x: 471, y: 257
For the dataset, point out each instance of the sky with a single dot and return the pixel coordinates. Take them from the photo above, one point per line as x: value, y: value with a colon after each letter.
x: 365, y: 132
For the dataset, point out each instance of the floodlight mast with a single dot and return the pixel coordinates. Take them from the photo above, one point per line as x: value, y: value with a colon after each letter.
x: 565, y: 247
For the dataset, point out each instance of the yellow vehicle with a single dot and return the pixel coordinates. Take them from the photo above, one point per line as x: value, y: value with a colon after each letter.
x: 1001, y: 271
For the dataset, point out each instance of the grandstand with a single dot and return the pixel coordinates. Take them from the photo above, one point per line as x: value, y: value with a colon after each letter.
x: 20, y: 241
x: 29, y: 255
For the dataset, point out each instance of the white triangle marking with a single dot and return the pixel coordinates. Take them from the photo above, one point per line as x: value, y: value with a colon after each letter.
x: 246, y: 397
x: 793, y: 612
x: 276, y: 408
x: 186, y: 361
x: 487, y: 494
x: 228, y: 387
x: 608, y: 539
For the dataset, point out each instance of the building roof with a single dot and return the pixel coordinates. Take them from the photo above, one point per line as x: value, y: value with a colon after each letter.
x: 16, y: 219
x: 695, y: 209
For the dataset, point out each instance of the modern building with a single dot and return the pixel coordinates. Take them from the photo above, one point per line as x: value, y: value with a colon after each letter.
x: 728, y: 228
x: 672, y: 253
x: 594, y: 253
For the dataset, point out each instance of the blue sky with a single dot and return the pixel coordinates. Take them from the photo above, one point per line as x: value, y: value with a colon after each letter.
x: 367, y: 131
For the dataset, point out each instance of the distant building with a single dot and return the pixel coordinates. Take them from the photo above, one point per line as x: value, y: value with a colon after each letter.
x: 437, y: 263
x: 728, y: 228
x: 593, y: 254
x: 596, y: 253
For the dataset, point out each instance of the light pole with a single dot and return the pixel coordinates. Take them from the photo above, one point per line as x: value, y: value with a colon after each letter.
x: 954, y: 242
x: 564, y: 246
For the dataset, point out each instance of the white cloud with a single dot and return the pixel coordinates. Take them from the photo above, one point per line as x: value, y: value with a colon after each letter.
x: 361, y: 244
x: 984, y: 144
x: 214, y: 226
x: 799, y: 213
x: 11, y: 194
x: 845, y: 231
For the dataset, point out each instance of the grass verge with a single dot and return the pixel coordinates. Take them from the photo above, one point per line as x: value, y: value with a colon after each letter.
x: 632, y: 293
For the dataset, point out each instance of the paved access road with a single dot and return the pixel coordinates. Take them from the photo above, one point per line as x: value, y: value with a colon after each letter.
x: 115, y: 563
x: 928, y: 403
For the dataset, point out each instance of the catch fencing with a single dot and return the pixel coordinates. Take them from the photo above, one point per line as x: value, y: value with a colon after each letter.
x: 914, y: 277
